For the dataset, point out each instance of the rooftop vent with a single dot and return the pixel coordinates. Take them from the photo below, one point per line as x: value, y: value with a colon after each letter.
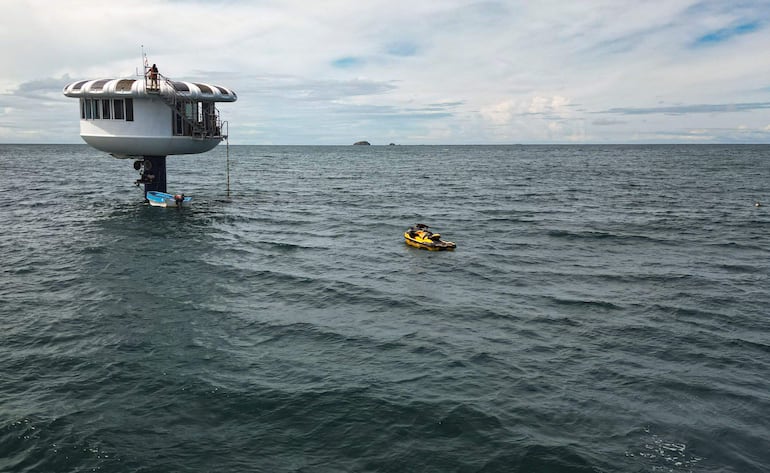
x: 204, y: 88
x: 124, y: 85
x: 99, y: 84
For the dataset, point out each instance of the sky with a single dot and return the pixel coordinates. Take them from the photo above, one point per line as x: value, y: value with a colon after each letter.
x: 334, y: 72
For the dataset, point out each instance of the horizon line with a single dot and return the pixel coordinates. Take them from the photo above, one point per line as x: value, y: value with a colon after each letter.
x: 660, y: 143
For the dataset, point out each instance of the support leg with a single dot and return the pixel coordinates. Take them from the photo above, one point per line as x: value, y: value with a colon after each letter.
x: 154, y: 173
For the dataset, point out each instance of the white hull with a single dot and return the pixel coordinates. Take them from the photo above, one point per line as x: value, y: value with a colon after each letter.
x: 166, y: 204
x: 128, y: 146
x: 162, y: 199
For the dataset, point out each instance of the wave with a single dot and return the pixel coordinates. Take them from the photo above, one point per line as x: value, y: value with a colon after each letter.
x: 592, y: 317
x: 622, y: 238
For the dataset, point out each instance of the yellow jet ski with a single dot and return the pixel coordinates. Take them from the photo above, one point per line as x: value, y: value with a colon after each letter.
x: 419, y: 236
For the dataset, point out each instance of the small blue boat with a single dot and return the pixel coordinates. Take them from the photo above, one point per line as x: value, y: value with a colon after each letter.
x: 161, y: 199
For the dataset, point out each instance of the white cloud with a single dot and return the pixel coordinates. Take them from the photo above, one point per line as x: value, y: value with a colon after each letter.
x: 501, y: 113
x: 320, y: 72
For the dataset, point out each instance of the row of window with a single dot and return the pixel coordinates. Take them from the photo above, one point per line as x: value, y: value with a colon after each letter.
x: 107, y: 109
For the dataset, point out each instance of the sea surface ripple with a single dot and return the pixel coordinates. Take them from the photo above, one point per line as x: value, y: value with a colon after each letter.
x: 606, y: 310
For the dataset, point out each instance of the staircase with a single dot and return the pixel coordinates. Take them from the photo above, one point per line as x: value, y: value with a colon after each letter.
x: 173, y: 99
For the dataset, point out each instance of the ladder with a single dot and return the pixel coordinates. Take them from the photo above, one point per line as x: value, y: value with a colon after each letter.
x: 172, y: 98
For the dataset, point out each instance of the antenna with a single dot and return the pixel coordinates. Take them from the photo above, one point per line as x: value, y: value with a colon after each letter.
x: 144, y: 59
x: 145, y: 65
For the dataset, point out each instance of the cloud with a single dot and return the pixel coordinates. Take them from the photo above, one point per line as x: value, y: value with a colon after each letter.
x: 441, y: 107
x: 501, y: 113
x: 313, y: 90
x: 41, y: 88
x: 506, y: 111
x: 607, y: 122
x: 554, y: 105
x: 690, y: 109
x: 455, y: 71
x: 737, y: 134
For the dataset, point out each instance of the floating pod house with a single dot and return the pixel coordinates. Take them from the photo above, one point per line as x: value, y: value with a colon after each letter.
x: 148, y: 120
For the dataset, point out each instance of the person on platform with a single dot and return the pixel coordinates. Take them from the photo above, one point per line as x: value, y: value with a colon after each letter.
x: 154, y: 77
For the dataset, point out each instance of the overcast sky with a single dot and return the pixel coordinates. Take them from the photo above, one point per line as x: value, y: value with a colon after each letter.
x: 409, y: 72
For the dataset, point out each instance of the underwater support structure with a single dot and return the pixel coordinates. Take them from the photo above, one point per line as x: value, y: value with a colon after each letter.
x: 154, y: 174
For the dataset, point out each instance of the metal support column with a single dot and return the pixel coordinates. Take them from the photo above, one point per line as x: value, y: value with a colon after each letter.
x: 154, y: 175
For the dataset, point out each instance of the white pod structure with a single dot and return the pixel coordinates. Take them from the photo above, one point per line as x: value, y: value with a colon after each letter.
x: 148, y: 118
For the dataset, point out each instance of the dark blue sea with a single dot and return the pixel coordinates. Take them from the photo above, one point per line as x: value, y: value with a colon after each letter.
x: 607, y: 309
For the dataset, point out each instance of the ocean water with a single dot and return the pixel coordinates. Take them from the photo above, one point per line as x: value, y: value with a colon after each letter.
x: 607, y: 310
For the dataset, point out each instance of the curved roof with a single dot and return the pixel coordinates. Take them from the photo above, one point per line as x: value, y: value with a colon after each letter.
x: 136, y: 88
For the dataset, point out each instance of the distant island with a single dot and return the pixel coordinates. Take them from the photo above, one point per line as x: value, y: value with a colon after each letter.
x: 360, y: 143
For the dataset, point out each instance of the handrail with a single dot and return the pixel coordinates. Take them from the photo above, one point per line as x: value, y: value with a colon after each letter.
x: 147, y: 76
x: 171, y: 98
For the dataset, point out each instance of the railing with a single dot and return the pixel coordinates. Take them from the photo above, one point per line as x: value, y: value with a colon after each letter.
x: 208, y: 128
